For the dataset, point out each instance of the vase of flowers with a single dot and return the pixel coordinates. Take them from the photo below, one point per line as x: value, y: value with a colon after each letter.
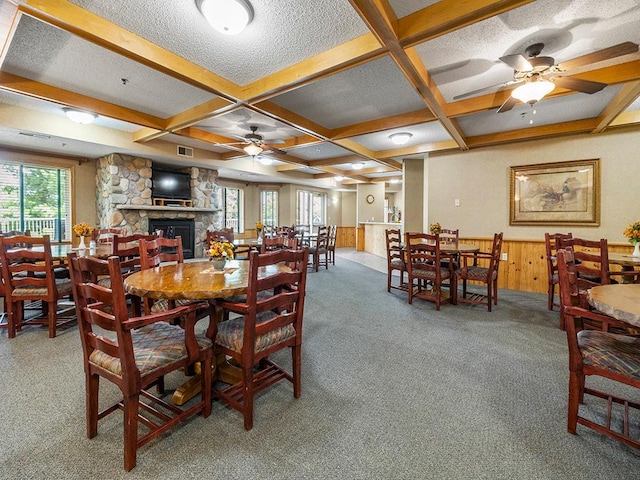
x: 83, y: 230
x: 259, y: 229
x: 632, y: 232
x: 219, y: 253
x: 435, y: 228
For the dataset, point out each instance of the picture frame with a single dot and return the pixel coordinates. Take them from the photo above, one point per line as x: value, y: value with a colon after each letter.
x: 562, y: 193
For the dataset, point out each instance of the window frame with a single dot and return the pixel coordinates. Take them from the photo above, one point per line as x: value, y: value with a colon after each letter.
x: 309, y: 206
x: 273, y: 220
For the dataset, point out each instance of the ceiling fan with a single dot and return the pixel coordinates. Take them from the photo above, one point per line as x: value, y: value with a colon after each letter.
x: 254, y: 143
x: 538, y: 75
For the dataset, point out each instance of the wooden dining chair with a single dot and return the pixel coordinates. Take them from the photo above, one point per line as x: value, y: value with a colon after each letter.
x: 319, y: 249
x: 271, y: 322
x: 127, y: 248
x: 105, y: 235
x: 331, y: 243
x: 597, y: 352
x: 395, y: 259
x: 136, y: 355
x: 28, y: 276
x: 427, y: 277
x: 551, y: 242
x: 481, y: 267
x: 278, y: 243
x: 240, y: 252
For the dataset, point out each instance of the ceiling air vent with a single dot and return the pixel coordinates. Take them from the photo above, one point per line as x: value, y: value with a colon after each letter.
x: 185, y: 151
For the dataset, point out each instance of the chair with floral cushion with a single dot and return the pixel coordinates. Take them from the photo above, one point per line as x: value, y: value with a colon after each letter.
x: 135, y: 356
x: 425, y: 269
x: 270, y: 323
x: 28, y: 276
x: 597, y: 352
x: 487, y: 273
x: 395, y: 259
x: 159, y: 251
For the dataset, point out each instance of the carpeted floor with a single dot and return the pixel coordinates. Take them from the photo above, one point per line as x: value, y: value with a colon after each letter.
x: 390, y: 391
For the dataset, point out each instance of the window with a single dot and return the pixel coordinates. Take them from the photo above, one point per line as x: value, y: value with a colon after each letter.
x: 269, y: 207
x: 231, y: 202
x: 311, y: 208
x: 36, y: 198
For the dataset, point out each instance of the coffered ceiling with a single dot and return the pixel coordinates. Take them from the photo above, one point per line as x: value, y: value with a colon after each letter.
x: 327, y: 82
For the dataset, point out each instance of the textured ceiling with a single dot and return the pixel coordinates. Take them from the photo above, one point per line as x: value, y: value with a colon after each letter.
x: 326, y: 81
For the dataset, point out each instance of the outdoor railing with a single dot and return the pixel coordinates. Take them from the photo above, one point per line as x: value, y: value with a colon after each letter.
x: 37, y: 226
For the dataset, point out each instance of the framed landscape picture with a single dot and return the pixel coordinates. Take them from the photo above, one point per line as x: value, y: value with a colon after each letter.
x: 565, y: 193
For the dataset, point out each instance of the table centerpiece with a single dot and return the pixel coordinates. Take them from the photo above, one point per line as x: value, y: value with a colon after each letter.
x: 83, y: 230
x: 219, y: 253
x: 632, y: 232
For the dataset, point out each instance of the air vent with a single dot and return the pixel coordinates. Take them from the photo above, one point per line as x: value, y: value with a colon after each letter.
x: 35, y: 135
x: 185, y: 151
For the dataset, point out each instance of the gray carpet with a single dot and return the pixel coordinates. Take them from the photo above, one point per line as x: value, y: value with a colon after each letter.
x: 390, y: 391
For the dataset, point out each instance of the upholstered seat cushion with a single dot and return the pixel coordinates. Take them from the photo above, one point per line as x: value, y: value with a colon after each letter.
x: 62, y: 285
x: 230, y: 334
x: 398, y: 263
x: 105, y: 282
x: 163, y: 305
x: 430, y: 274
x: 610, y: 351
x: 154, y: 346
x: 475, y: 273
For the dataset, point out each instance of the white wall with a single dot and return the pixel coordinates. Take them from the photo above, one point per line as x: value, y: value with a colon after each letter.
x: 480, y: 179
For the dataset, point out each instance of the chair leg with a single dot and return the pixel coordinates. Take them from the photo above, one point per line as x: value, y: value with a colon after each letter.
x: 389, y: 280
x: 296, y: 361
x: 550, y: 295
x: 93, y: 387
x: 10, y: 308
x: 130, y: 430
x: 489, y: 292
x: 574, y: 402
x: 247, y: 398
x: 52, y: 317
x: 206, y: 377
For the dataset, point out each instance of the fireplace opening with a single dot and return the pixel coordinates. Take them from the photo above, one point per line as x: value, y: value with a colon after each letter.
x: 177, y: 227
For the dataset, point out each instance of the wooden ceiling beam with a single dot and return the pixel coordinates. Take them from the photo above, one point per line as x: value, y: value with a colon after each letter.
x: 625, y: 97
x: 626, y: 119
x: 418, y: 149
x: 387, y: 123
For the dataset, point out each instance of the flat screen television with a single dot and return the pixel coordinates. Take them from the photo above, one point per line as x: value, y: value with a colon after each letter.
x: 173, y: 185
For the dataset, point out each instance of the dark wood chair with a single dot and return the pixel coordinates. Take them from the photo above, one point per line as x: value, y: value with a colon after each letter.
x: 271, y: 322
x: 591, y: 258
x: 278, y: 243
x: 319, y: 249
x: 482, y: 267
x: 159, y: 251
x: 551, y: 241
x: 140, y: 353
x: 28, y: 276
x: 395, y: 259
x: 240, y: 252
x: 425, y: 270
x: 597, y: 352
x: 127, y: 249
x: 451, y: 237
x: 331, y: 243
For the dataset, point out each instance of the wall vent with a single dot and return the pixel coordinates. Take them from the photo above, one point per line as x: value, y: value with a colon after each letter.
x: 185, y: 151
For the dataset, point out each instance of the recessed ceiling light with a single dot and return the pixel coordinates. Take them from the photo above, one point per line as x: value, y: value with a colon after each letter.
x: 265, y: 160
x: 79, y: 116
x: 400, y: 138
x: 339, y: 178
x: 358, y: 166
x: 227, y: 16
x: 394, y: 180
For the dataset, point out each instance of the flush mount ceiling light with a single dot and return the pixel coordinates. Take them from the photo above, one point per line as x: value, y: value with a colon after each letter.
x: 253, y: 149
x: 339, y: 178
x: 400, y: 138
x: 394, y: 180
x: 533, y: 91
x: 358, y: 166
x: 79, y: 116
x: 227, y: 16
x: 265, y: 160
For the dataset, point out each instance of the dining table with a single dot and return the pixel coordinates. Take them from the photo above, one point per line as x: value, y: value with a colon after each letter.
x: 627, y: 262
x: 197, y: 280
x: 620, y: 301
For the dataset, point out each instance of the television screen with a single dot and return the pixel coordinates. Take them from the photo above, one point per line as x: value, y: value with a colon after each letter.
x: 174, y: 185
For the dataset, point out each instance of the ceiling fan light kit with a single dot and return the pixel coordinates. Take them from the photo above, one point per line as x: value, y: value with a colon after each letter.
x: 358, y: 166
x: 400, y: 138
x: 253, y: 150
x: 533, y: 91
x: 227, y: 16
x: 80, y: 116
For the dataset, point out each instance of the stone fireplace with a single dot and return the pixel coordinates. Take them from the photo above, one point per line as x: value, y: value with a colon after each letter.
x: 123, y: 199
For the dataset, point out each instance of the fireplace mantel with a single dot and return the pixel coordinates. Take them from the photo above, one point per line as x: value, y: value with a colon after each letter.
x: 165, y: 208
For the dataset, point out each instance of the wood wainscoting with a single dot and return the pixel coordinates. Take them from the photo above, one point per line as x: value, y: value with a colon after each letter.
x: 526, y: 266
x: 346, y: 237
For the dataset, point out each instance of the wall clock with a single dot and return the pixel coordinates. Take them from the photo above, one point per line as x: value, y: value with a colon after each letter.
x: 370, y: 199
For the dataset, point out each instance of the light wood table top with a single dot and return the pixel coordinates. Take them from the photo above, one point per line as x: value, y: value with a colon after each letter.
x: 460, y: 248
x: 620, y: 301
x: 193, y: 280
x: 624, y: 259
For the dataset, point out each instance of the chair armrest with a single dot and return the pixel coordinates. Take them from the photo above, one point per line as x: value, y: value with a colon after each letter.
x: 475, y: 256
x: 607, y: 321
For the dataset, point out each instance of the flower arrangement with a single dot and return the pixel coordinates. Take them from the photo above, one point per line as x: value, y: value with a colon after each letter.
x: 220, y: 250
x: 632, y: 232
x: 259, y: 227
x: 82, y: 229
x: 435, y: 228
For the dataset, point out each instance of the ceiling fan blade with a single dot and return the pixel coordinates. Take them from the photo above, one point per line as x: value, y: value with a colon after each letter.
x: 599, y: 56
x: 508, y: 104
x: 517, y: 62
x: 276, y: 141
x: 578, y: 84
x: 275, y: 150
